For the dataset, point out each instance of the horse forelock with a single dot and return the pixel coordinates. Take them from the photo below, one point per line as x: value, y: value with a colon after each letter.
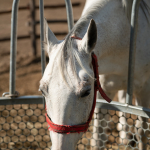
x: 69, y: 54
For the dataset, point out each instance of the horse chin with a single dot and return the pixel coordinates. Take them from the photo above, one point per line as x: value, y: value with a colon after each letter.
x: 64, y: 141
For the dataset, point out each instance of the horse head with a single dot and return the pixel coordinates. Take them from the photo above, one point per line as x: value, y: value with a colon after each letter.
x: 68, y: 83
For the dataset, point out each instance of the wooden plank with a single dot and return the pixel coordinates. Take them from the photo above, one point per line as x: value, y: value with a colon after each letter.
x: 76, y: 4
x: 53, y: 21
x: 28, y: 36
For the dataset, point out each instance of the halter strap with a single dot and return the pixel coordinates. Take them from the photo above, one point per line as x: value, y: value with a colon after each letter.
x: 66, y: 129
x: 97, y: 84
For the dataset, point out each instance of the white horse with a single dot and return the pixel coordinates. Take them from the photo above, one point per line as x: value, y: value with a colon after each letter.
x: 68, y: 80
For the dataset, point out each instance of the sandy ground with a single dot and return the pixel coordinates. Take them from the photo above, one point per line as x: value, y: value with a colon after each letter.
x: 28, y: 72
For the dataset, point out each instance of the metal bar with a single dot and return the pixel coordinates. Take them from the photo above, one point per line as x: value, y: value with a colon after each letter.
x: 13, y: 47
x: 136, y: 110
x: 69, y: 14
x: 22, y: 100
x: 132, y: 51
x: 43, y: 58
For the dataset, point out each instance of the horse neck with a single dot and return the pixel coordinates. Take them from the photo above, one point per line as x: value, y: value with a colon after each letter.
x: 96, y: 10
x: 112, y: 25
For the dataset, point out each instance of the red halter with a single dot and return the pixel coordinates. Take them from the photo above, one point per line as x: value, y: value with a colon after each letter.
x: 66, y: 129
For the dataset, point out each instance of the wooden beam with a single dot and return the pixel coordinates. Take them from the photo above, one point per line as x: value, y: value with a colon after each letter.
x: 76, y: 4
x: 28, y: 36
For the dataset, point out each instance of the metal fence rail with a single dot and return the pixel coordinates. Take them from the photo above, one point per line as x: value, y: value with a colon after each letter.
x: 132, y: 51
x: 22, y: 100
x: 13, y: 44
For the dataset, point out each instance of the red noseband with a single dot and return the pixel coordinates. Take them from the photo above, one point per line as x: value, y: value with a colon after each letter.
x: 82, y: 127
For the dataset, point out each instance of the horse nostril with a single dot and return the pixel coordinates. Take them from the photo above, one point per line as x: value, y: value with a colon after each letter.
x: 42, y: 92
x: 44, y: 89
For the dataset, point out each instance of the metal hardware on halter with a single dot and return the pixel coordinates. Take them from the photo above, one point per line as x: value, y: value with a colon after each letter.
x: 6, y: 94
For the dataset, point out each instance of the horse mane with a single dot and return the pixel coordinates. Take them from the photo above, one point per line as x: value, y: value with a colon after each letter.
x: 127, y: 5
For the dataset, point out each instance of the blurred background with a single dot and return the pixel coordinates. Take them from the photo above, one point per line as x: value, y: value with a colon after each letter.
x: 28, y: 61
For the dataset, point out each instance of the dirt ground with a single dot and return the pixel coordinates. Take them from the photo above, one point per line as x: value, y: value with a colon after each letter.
x: 28, y: 72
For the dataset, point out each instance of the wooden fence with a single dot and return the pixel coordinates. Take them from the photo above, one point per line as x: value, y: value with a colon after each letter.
x: 33, y: 35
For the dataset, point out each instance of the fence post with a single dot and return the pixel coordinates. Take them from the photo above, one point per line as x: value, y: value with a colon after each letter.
x: 43, y: 58
x: 13, y: 43
x: 132, y: 51
x: 69, y: 14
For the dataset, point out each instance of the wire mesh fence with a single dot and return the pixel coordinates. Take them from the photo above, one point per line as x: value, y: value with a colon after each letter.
x: 115, y: 130
x: 24, y: 127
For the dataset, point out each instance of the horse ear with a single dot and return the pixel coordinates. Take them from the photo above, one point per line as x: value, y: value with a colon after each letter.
x: 90, y: 38
x: 49, y: 38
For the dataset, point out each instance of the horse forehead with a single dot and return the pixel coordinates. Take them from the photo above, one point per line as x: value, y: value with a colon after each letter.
x: 50, y: 67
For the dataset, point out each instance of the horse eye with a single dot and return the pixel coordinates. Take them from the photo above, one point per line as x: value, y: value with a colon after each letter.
x: 86, y: 93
